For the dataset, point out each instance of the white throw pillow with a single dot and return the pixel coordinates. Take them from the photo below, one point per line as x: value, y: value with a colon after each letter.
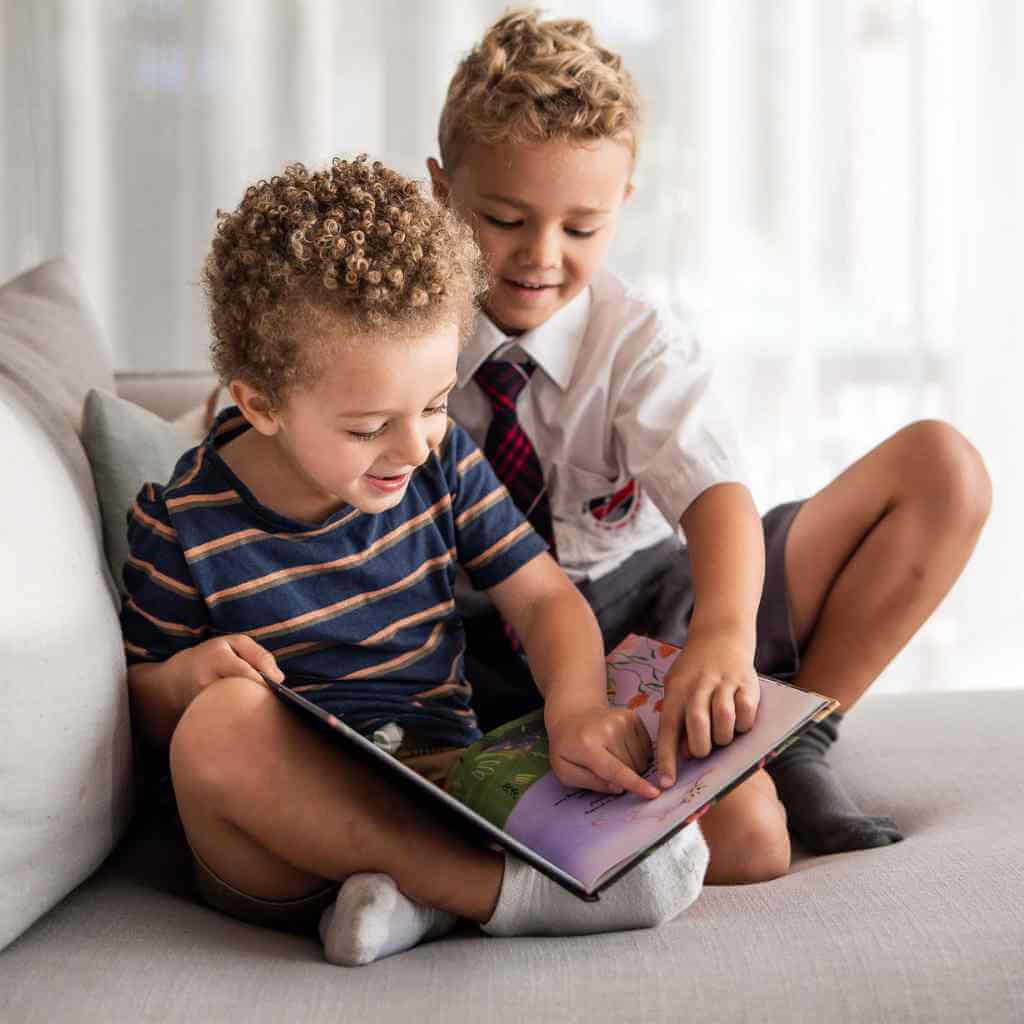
x: 65, y: 745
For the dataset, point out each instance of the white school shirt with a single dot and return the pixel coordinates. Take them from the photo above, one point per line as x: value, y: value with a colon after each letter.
x: 622, y: 391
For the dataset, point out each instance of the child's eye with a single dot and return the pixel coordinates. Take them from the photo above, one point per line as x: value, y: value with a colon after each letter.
x: 502, y: 223
x: 579, y: 233
x: 369, y: 435
x: 436, y: 410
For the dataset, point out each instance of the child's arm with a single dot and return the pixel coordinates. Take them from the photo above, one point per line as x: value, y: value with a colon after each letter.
x: 592, y: 745
x: 712, y: 691
x: 161, y: 618
x: 161, y: 691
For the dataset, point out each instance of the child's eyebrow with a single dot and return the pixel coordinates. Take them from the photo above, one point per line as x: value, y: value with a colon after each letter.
x: 579, y: 211
x: 355, y: 415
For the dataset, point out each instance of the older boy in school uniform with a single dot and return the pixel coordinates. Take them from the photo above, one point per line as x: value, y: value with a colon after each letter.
x: 600, y: 414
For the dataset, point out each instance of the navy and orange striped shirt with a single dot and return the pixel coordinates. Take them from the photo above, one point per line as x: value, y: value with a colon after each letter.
x: 359, y: 611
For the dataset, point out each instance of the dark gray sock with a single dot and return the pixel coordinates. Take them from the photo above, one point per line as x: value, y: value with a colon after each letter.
x: 820, y: 812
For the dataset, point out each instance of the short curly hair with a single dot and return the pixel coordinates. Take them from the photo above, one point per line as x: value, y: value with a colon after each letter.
x: 355, y: 245
x: 530, y: 81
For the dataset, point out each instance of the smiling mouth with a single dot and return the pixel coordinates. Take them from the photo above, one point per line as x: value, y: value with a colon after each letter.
x: 531, y: 286
x: 390, y: 485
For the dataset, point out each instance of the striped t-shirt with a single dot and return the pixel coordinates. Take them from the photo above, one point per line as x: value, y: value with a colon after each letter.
x: 359, y: 611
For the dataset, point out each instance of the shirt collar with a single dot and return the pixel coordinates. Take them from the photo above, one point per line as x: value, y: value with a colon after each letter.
x: 553, y: 345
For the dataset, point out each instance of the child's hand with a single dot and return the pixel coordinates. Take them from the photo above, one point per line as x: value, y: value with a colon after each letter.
x: 711, y: 693
x: 220, y: 658
x: 600, y: 748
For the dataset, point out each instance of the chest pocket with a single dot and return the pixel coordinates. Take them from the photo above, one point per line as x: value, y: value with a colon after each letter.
x: 593, y: 515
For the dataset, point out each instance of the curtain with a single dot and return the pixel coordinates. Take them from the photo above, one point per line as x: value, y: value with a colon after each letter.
x: 829, y: 191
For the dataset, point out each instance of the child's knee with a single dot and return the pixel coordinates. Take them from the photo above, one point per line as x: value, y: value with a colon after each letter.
x: 765, y: 841
x: 950, y: 472
x: 750, y: 842
x: 212, y: 742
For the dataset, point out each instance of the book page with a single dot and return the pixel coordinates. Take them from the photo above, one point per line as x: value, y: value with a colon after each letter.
x: 590, y: 834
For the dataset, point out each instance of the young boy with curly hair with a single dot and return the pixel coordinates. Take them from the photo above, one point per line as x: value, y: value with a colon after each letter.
x: 313, y: 537
x: 612, y: 439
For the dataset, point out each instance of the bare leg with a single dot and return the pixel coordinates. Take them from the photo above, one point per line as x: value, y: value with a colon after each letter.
x: 275, y: 810
x: 746, y: 834
x: 868, y: 559
x: 871, y: 556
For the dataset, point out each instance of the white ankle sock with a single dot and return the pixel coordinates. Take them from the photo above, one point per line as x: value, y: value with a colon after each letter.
x: 655, y: 891
x: 371, y: 919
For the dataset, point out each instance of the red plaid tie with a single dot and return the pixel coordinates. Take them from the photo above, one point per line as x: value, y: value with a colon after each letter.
x: 509, y: 449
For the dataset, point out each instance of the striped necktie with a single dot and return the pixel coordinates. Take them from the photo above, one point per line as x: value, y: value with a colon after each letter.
x: 507, y: 447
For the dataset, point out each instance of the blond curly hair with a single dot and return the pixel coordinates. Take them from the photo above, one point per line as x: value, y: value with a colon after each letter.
x: 531, y: 81
x: 357, y: 246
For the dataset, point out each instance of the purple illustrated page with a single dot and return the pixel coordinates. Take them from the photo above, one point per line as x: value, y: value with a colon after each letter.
x: 590, y: 834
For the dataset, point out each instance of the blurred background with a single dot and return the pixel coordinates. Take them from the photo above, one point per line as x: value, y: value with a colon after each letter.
x: 829, y: 189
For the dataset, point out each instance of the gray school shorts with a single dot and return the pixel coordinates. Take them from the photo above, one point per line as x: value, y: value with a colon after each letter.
x: 652, y: 593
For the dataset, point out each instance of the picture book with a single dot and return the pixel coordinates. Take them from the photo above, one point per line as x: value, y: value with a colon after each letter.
x: 503, y: 790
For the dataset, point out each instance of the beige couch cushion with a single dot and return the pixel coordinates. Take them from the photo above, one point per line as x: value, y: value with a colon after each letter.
x: 65, y: 764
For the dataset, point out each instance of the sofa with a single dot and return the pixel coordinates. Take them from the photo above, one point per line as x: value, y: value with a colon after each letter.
x: 99, y: 920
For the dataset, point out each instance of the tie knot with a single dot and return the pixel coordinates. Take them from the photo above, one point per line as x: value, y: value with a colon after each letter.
x: 502, y: 380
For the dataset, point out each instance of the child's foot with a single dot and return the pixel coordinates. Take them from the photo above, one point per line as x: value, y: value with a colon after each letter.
x: 655, y: 891
x: 371, y: 919
x: 820, y: 812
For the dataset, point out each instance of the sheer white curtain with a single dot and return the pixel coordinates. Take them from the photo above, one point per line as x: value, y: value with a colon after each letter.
x: 832, y: 190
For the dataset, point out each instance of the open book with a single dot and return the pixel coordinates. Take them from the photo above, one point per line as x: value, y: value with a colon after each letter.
x: 503, y: 790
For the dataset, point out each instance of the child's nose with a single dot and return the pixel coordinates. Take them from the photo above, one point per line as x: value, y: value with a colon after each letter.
x: 412, y: 447
x: 541, y: 249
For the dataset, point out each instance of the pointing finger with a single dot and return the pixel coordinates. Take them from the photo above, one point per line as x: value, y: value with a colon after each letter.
x: 668, y: 743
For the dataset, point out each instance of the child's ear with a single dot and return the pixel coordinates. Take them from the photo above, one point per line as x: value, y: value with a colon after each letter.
x: 439, y: 181
x: 630, y: 189
x: 255, y: 406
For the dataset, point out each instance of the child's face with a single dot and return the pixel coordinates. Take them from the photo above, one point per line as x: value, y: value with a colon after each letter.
x: 544, y: 216
x: 375, y: 412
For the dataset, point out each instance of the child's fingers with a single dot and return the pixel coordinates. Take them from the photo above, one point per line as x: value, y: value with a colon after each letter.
x: 620, y: 776
x: 723, y: 715
x: 636, y: 742
x: 577, y: 777
x: 231, y: 665
x: 667, y: 746
x: 255, y: 656
x: 698, y: 724
x: 747, y: 701
x: 603, y: 773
